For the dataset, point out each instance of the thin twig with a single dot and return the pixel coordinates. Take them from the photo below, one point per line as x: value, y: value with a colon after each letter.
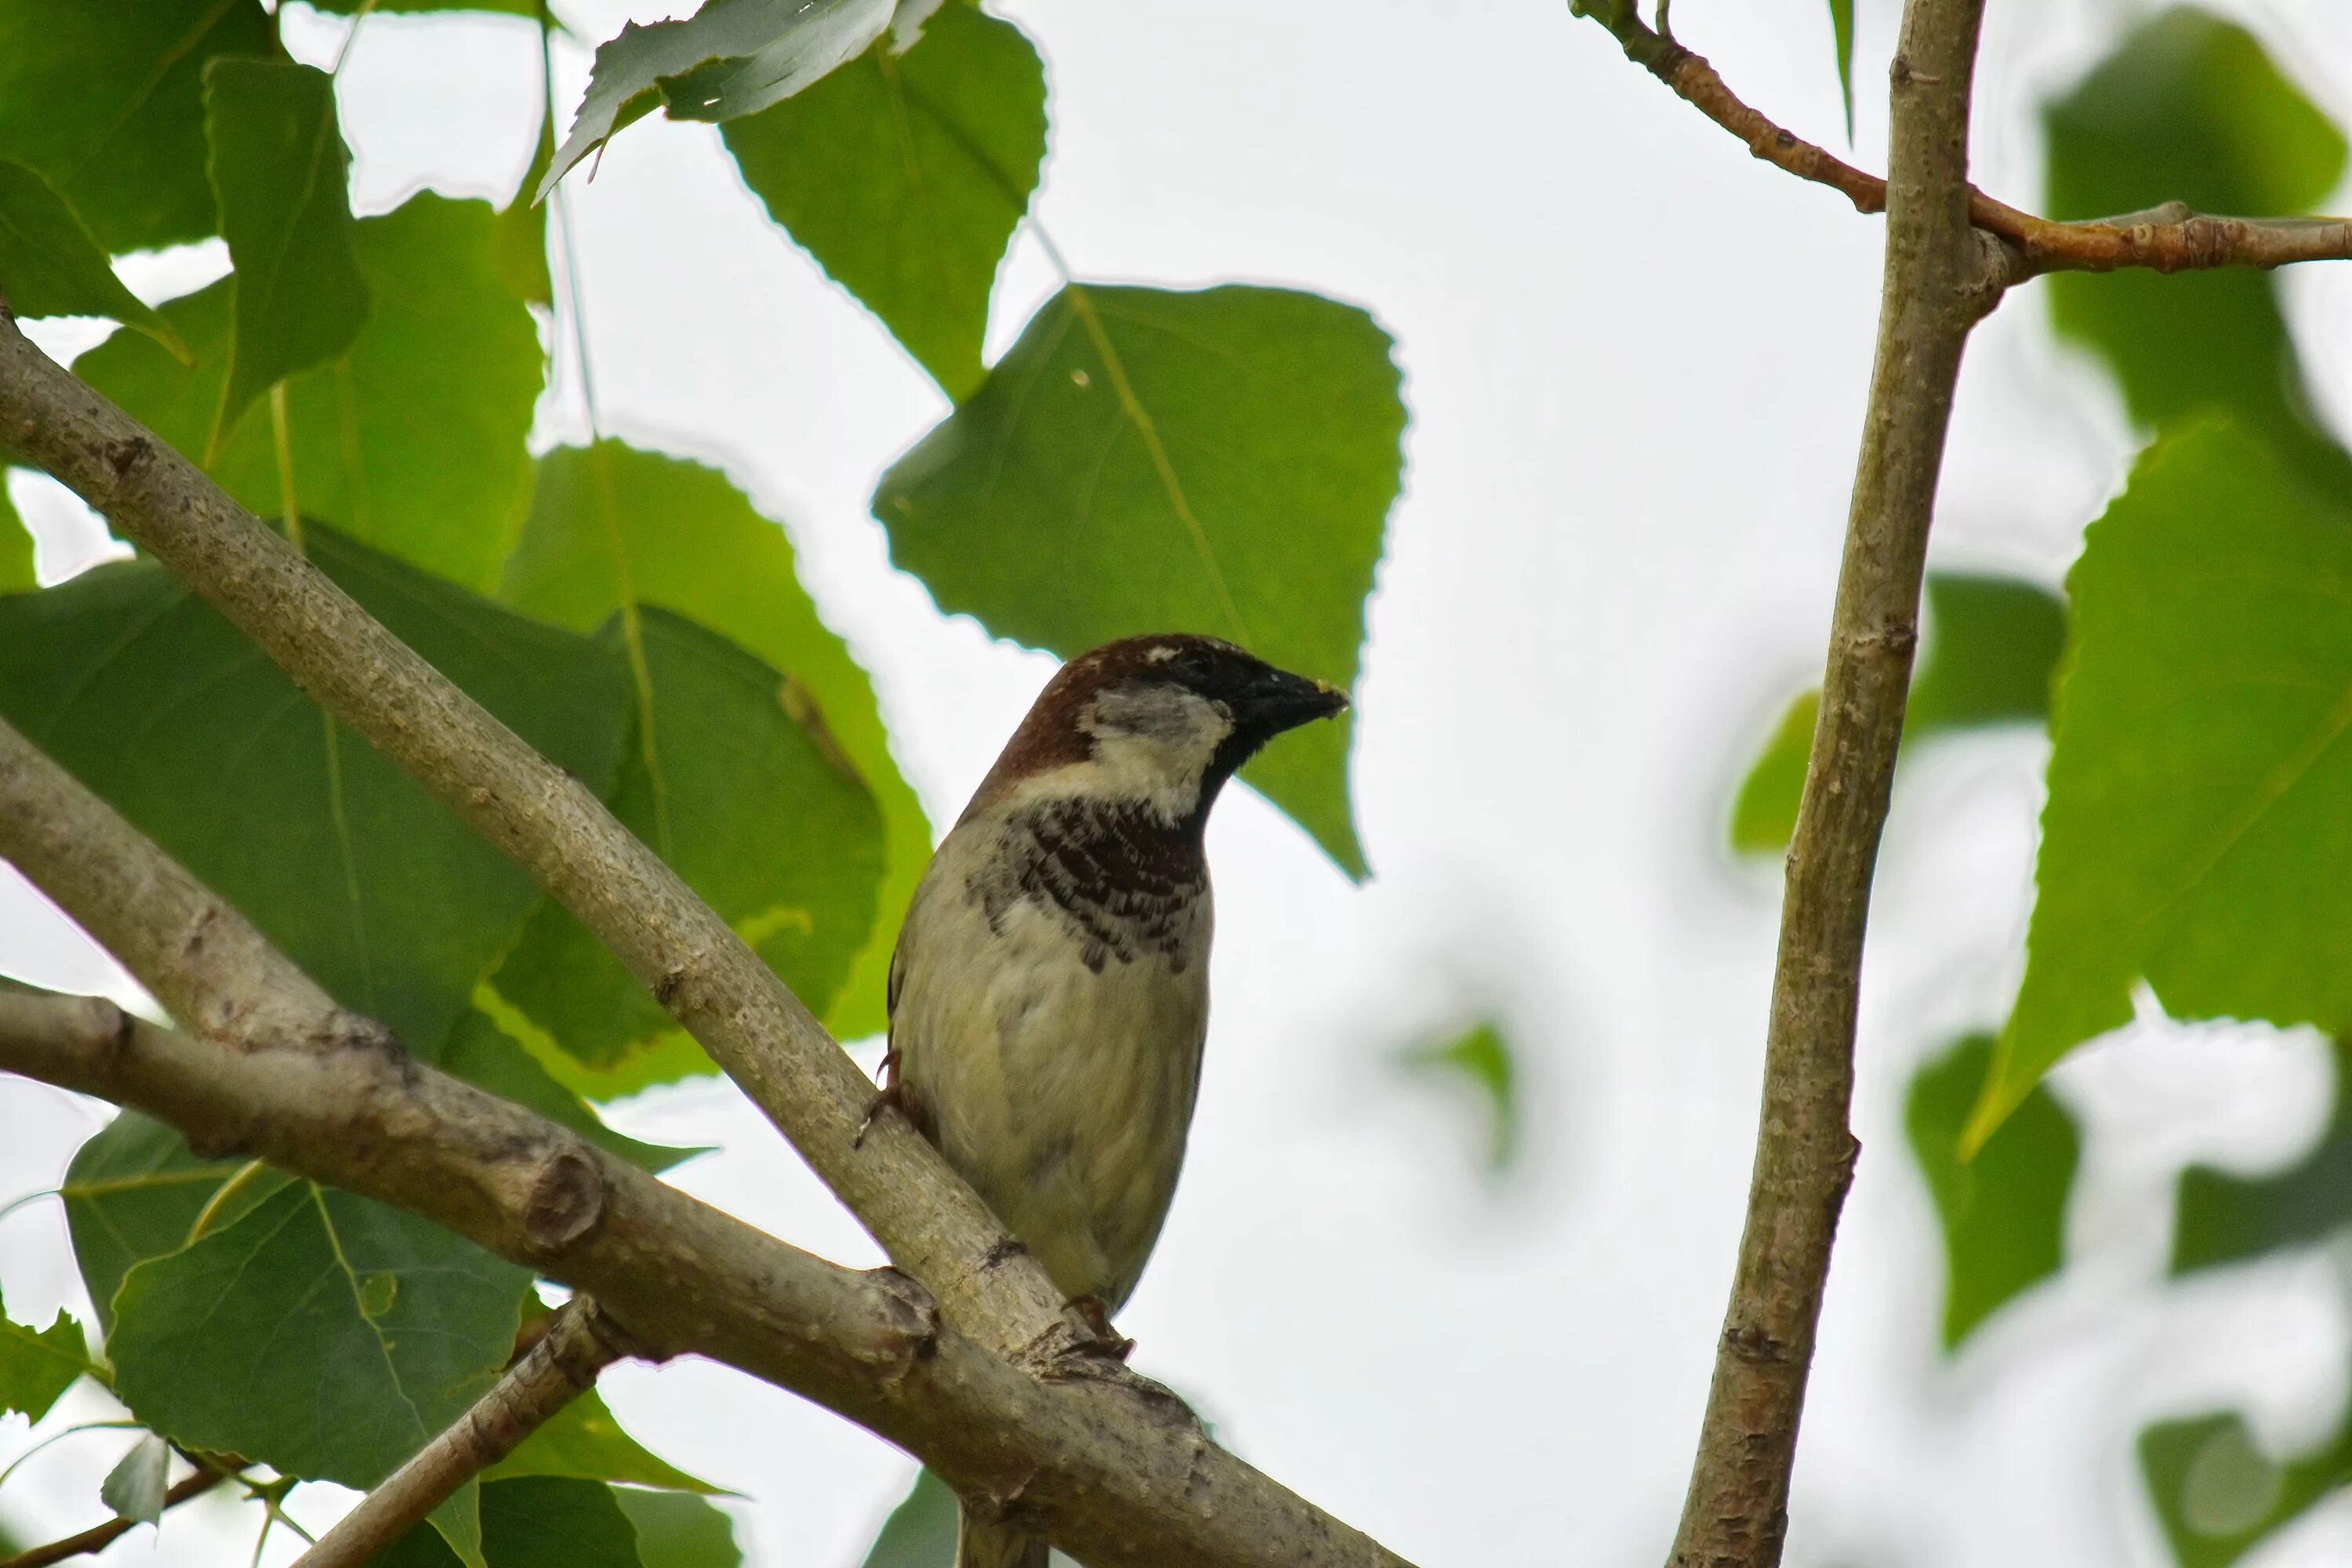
x: 579, y: 1343
x: 98, y: 1537
x: 2168, y: 239
x: 1941, y: 277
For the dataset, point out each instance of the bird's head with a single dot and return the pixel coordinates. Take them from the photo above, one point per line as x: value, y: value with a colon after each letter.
x: 1162, y: 721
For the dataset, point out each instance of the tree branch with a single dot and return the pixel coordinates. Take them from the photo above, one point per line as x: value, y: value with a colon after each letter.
x: 580, y: 1342
x: 929, y: 1221
x: 98, y: 1537
x: 2168, y: 238
x: 1941, y: 277
x: 1114, y: 1470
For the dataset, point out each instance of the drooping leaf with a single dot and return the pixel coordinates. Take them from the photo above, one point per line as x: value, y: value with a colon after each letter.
x: 584, y: 1442
x: 535, y: 1521
x: 484, y: 1055
x: 1842, y: 29
x: 2217, y: 1492
x: 731, y: 57
x: 104, y: 97
x: 734, y: 779
x: 1993, y: 647
x: 37, y: 1366
x: 17, y: 570
x: 904, y: 175
x: 1482, y: 1058
x: 134, y: 1489
x: 1145, y: 461
x: 51, y: 266
x: 675, y: 1530
x: 613, y: 526
x: 281, y: 175
x: 2190, y: 108
x: 2199, y: 828
x: 323, y: 1333
x: 2004, y: 1211
x: 370, y: 884
x: 2223, y: 1218
x: 412, y: 441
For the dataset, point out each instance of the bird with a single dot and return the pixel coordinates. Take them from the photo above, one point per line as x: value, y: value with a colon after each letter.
x: 1049, y: 996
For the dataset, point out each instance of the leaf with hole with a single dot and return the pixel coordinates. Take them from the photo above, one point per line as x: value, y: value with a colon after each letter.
x: 1145, y: 461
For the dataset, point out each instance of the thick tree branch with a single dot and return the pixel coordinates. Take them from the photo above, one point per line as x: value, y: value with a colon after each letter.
x: 98, y: 1537
x: 1110, y: 1470
x: 929, y: 1221
x: 1941, y: 277
x: 580, y: 1342
x: 2168, y: 239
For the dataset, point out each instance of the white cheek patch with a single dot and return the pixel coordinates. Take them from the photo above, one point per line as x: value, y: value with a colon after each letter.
x: 1152, y: 743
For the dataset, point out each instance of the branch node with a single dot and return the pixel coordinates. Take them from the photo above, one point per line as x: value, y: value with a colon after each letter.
x: 566, y: 1203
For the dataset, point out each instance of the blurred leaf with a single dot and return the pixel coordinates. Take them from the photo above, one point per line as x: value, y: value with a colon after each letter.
x: 2225, y: 1218
x: 614, y: 526
x: 906, y: 176
x: 534, y: 1522
x: 678, y: 1531
x: 2004, y: 1211
x: 1144, y: 460
x: 1842, y: 28
x: 484, y: 1055
x: 134, y: 1489
x: 730, y: 58
x: 2218, y: 1494
x: 37, y: 1366
x: 921, y: 1531
x: 2190, y: 108
x: 584, y: 1441
x: 403, y: 443
x: 1485, y: 1060
x: 367, y: 881
x: 282, y: 176
x: 2196, y: 834
x: 1992, y: 648
x: 519, y: 240
x: 17, y: 572
x: 51, y: 264
x: 132, y: 1192
x: 104, y: 97
x: 352, y: 7
x: 324, y: 1334
x: 734, y: 777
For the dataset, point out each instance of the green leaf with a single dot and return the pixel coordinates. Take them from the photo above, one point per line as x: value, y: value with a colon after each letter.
x: 734, y: 777
x: 2195, y: 830
x: 731, y: 57
x: 354, y: 8
x: 2225, y: 1218
x: 1841, y: 27
x: 367, y: 881
x: 535, y: 1521
x: 400, y: 442
x: 2190, y: 108
x: 612, y: 526
x: 282, y: 176
x: 51, y: 264
x: 1482, y: 1058
x: 324, y: 1334
x: 485, y: 1056
x: 1144, y: 460
x: 133, y: 1191
x: 584, y: 1441
x: 678, y: 1531
x: 134, y: 1489
x: 2004, y: 1211
x: 921, y: 1531
x: 104, y: 97
x: 37, y: 1366
x: 906, y: 176
x: 2217, y: 1493
x: 1993, y: 647
x: 520, y: 241
x: 16, y: 572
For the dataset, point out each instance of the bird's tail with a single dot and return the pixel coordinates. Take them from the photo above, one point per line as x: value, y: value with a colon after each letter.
x: 979, y: 1544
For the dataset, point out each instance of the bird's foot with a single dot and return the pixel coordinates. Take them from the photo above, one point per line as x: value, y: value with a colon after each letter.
x: 1108, y: 1342
x: 886, y: 1099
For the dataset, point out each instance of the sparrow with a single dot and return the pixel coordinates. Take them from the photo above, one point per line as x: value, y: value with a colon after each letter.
x: 1049, y: 996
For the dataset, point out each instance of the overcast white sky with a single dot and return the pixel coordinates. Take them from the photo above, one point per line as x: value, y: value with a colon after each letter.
x: 1634, y: 360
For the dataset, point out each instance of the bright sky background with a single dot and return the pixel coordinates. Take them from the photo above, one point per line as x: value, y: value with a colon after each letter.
x: 1635, y: 362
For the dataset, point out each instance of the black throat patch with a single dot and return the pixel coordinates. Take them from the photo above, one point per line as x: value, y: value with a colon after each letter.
x: 1122, y: 876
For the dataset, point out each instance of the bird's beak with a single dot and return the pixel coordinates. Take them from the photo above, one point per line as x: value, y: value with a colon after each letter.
x: 1279, y: 701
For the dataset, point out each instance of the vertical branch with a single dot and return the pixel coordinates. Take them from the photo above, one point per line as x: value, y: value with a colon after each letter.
x: 1941, y: 279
